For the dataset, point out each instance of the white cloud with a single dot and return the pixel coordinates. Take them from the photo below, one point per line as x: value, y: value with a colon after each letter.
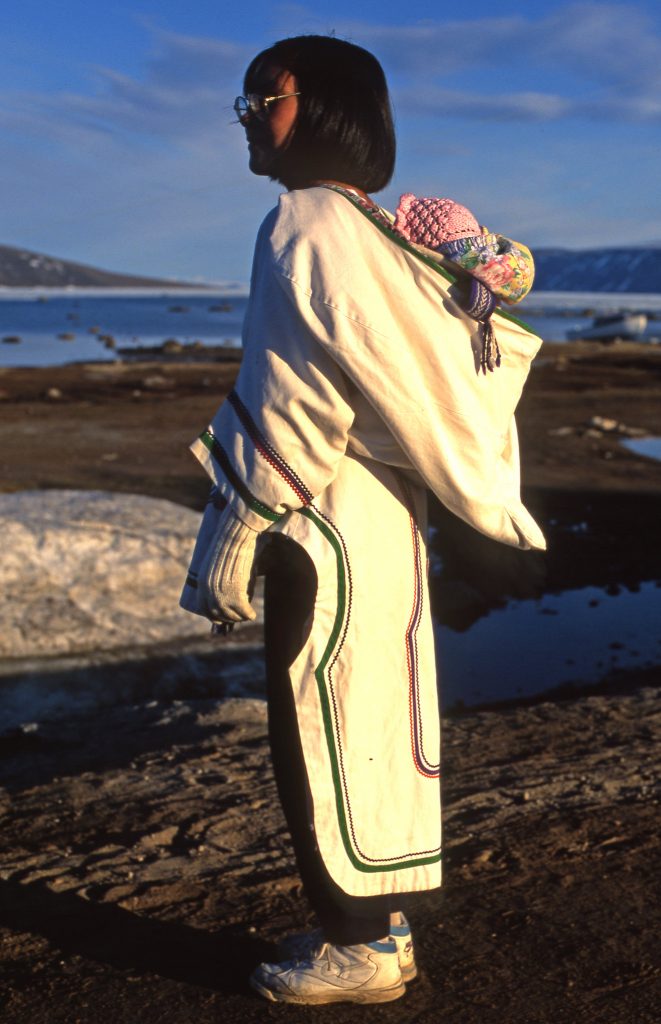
x: 515, y: 106
x: 608, y: 52
x: 617, y: 44
x: 187, y: 90
x: 146, y: 171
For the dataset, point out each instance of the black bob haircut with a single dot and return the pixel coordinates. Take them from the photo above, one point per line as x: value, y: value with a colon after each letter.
x: 344, y: 127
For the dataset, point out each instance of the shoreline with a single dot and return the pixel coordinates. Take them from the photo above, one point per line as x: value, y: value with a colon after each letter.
x: 223, y: 288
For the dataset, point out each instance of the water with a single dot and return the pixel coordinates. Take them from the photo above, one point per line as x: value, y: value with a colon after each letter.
x: 648, y: 446
x: 135, y: 317
x: 553, y: 314
x: 130, y: 317
x: 533, y: 646
x: 522, y: 650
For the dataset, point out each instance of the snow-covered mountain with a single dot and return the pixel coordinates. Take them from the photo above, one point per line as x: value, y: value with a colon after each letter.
x: 598, y: 270
x: 562, y: 270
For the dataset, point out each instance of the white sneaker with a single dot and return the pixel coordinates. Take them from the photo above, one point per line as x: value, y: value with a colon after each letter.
x: 300, y: 945
x: 367, y: 973
x: 400, y: 933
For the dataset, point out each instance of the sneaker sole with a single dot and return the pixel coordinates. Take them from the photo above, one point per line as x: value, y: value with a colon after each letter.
x: 377, y: 995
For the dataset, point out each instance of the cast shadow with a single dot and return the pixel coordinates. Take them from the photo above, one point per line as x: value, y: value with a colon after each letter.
x: 108, y: 934
x: 143, y: 691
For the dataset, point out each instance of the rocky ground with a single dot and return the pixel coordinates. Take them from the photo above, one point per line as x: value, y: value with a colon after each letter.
x: 126, y: 426
x: 144, y: 866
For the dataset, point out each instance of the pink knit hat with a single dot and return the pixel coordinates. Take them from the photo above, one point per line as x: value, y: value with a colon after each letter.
x: 432, y: 221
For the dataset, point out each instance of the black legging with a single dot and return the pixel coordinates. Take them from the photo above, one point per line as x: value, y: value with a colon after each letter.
x: 290, y: 589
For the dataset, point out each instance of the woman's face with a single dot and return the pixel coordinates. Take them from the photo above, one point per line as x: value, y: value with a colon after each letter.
x: 268, y: 138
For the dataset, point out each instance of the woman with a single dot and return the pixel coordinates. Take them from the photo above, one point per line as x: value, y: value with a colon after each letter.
x: 359, y: 388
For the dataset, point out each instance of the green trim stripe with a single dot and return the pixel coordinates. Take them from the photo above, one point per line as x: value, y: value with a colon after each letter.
x: 403, y: 244
x: 220, y: 456
x: 327, y: 716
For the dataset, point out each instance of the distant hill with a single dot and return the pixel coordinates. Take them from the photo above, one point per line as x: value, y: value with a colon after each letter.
x: 598, y: 270
x: 20, y: 268
x: 557, y: 270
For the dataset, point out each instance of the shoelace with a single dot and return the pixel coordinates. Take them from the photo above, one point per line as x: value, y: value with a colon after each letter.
x: 322, y: 952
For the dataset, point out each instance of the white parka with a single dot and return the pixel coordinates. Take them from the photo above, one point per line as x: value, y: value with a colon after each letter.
x: 360, y: 387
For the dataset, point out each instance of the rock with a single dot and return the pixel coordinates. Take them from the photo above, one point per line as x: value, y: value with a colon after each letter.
x: 603, y: 423
x: 632, y: 431
x: 165, y: 837
x: 156, y: 382
x: 599, y: 425
x: 171, y: 345
x: 54, y: 394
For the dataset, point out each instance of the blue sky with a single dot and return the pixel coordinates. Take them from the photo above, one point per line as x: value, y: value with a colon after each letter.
x: 119, y: 147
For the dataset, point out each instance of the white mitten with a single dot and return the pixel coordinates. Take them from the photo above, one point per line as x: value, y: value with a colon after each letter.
x: 224, y: 581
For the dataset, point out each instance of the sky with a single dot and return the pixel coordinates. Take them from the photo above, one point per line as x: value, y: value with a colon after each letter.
x: 119, y: 147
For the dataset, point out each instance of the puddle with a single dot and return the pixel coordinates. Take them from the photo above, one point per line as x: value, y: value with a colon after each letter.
x: 648, y: 446
x: 533, y: 646
x: 51, y: 690
x: 497, y: 637
x: 522, y: 650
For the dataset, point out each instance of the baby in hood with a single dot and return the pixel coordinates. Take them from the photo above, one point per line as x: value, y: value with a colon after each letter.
x: 499, y: 269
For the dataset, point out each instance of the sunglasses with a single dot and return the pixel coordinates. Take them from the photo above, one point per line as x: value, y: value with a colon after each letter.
x: 254, y: 105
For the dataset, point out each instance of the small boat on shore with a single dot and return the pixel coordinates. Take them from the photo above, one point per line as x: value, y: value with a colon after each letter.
x: 625, y: 326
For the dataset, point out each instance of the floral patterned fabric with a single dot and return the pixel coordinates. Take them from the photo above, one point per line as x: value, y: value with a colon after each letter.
x: 505, y: 267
